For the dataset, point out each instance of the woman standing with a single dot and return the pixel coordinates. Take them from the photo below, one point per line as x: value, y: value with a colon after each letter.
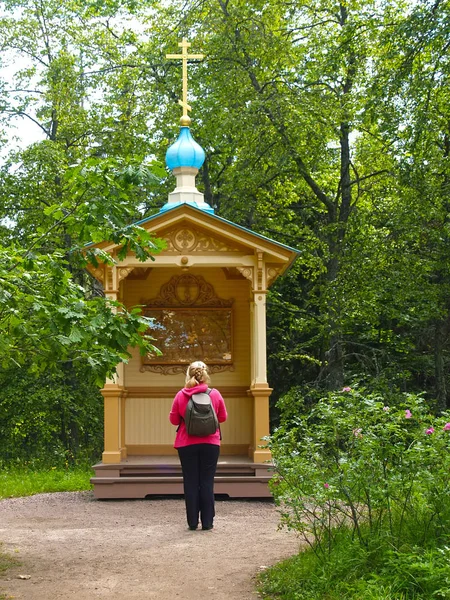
x: 198, y: 455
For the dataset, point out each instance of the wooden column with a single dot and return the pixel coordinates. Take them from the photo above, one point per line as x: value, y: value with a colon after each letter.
x: 123, y: 448
x: 113, y: 396
x: 259, y: 387
x: 114, y: 393
x: 258, y: 452
x: 258, y: 329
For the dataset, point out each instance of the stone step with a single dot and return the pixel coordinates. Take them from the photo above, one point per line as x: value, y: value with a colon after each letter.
x: 175, y: 479
x: 140, y: 487
x: 172, y: 469
x: 250, y: 467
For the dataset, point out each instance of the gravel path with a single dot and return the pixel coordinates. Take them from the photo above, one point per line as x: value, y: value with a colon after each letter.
x: 75, y: 547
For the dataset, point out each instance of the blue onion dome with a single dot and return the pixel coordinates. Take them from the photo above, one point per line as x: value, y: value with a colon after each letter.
x: 185, y: 152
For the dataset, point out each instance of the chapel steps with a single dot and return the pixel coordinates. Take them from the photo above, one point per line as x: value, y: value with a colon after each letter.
x: 138, y: 478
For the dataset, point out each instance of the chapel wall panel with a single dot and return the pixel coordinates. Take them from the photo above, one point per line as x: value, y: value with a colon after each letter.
x: 239, y: 373
x: 147, y: 421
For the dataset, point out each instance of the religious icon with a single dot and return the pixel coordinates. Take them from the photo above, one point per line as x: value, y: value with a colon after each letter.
x: 186, y: 334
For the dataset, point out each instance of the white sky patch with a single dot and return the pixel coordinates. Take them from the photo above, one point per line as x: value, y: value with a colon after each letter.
x: 353, y: 136
x: 7, y: 222
x: 21, y: 131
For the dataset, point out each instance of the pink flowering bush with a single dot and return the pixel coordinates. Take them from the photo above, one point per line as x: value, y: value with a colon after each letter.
x: 387, y: 482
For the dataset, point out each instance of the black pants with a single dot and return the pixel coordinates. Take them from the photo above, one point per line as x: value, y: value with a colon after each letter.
x: 198, y: 463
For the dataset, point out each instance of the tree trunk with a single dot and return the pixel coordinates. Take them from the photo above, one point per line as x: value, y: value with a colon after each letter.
x: 333, y: 373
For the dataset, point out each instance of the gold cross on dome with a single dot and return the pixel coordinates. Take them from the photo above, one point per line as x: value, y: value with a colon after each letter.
x: 184, y: 45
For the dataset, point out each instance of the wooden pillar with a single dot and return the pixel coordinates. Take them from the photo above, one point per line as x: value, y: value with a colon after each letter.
x: 114, y: 393
x: 259, y: 387
x: 123, y: 448
x: 258, y: 329
x: 113, y: 399
x: 258, y: 452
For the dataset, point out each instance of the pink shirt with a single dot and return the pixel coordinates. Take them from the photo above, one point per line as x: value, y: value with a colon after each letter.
x: 178, y: 411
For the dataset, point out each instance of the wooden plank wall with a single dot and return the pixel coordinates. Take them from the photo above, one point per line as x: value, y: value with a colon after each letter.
x: 147, y: 421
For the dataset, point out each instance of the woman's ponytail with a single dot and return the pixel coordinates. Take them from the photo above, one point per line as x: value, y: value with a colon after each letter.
x: 196, y: 374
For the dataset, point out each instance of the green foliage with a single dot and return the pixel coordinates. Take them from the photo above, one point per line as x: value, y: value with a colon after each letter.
x: 46, y: 318
x: 101, y: 197
x: 51, y: 419
x: 325, y: 126
x: 82, y: 183
x: 352, y: 573
x: 27, y: 480
x: 364, y: 480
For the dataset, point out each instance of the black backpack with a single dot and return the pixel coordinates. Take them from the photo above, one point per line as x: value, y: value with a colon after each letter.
x: 200, y: 417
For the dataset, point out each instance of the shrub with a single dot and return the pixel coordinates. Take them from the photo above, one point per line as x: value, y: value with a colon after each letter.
x: 356, y: 471
x: 53, y: 419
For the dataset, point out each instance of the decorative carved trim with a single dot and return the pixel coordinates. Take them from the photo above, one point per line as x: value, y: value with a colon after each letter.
x: 140, y: 273
x: 97, y: 272
x: 272, y: 273
x: 190, y: 240
x: 187, y: 290
x: 124, y: 272
x: 232, y: 273
x: 246, y: 272
x: 259, y: 282
x: 175, y: 369
x: 109, y: 278
x: 182, y: 240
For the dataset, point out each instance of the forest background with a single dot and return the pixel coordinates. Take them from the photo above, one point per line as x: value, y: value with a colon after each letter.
x: 326, y: 126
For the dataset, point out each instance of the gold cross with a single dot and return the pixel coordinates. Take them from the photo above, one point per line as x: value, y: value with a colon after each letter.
x: 184, y: 45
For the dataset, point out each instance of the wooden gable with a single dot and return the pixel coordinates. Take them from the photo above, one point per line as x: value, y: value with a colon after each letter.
x: 196, y: 238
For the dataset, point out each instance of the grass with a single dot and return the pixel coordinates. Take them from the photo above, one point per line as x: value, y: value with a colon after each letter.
x: 27, y: 481
x: 351, y: 572
x: 301, y: 578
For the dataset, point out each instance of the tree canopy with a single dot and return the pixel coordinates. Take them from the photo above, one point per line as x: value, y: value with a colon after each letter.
x: 326, y: 126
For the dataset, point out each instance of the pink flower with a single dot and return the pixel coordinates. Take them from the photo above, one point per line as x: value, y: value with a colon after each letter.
x: 408, y: 414
x: 446, y: 427
x: 429, y: 431
x: 347, y: 389
x: 386, y: 408
x: 357, y: 432
x: 326, y: 485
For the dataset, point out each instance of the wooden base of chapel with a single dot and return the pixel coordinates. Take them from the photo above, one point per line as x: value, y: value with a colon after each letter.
x: 141, y: 476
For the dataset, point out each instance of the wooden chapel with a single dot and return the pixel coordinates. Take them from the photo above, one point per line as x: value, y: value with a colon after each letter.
x: 206, y: 293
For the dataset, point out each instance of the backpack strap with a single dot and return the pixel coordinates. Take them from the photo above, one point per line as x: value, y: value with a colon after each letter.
x: 208, y: 391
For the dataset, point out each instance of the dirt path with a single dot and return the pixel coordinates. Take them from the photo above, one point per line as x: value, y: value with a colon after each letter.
x: 75, y: 547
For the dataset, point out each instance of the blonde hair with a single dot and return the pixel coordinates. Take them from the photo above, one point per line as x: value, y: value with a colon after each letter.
x: 196, y: 373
